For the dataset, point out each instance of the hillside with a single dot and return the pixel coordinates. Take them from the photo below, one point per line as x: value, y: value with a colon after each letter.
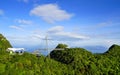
x: 4, y: 43
x: 85, y: 63
x: 71, y: 61
x: 69, y: 55
x: 29, y: 64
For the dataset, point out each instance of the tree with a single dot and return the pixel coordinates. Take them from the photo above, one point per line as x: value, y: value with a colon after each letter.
x: 61, y: 46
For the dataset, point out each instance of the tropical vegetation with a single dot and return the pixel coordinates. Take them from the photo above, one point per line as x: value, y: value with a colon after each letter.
x: 70, y: 61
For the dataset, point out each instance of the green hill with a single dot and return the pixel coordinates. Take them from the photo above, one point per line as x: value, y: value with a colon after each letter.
x: 69, y: 55
x: 29, y: 64
x: 84, y: 62
x: 4, y: 43
x: 71, y: 61
x: 114, y: 50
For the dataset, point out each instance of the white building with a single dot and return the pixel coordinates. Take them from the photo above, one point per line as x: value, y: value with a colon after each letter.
x: 16, y: 50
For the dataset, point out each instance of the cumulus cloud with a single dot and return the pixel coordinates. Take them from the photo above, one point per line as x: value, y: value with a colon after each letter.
x: 16, y: 27
x: 58, y: 33
x: 50, y: 13
x: 1, y: 12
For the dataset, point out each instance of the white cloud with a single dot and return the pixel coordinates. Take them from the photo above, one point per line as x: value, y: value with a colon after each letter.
x: 38, y: 34
x: 56, y: 29
x: 24, y: 22
x: 1, y: 12
x: 69, y: 36
x: 16, y: 27
x: 20, y: 24
x: 58, y: 33
x: 50, y: 13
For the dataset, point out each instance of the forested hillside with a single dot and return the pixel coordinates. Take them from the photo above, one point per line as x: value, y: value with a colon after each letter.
x: 4, y: 43
x: 71, y: 61
x: 85, y: 63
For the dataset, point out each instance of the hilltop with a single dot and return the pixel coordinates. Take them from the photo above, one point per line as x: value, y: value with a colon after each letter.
x: 69, y: 55
x: 114, y: 50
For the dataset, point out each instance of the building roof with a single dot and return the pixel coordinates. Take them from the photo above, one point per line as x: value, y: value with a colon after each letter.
x: 16, y: 49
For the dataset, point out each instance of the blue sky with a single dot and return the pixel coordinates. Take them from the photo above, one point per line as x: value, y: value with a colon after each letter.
x: 78, y: 23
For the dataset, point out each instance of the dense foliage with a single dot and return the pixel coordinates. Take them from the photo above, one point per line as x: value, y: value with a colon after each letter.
x: 4, y: 43
x: 61, y: 46
x: 29, y: 64
x: 85, y: 63
x: 71, y: 61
